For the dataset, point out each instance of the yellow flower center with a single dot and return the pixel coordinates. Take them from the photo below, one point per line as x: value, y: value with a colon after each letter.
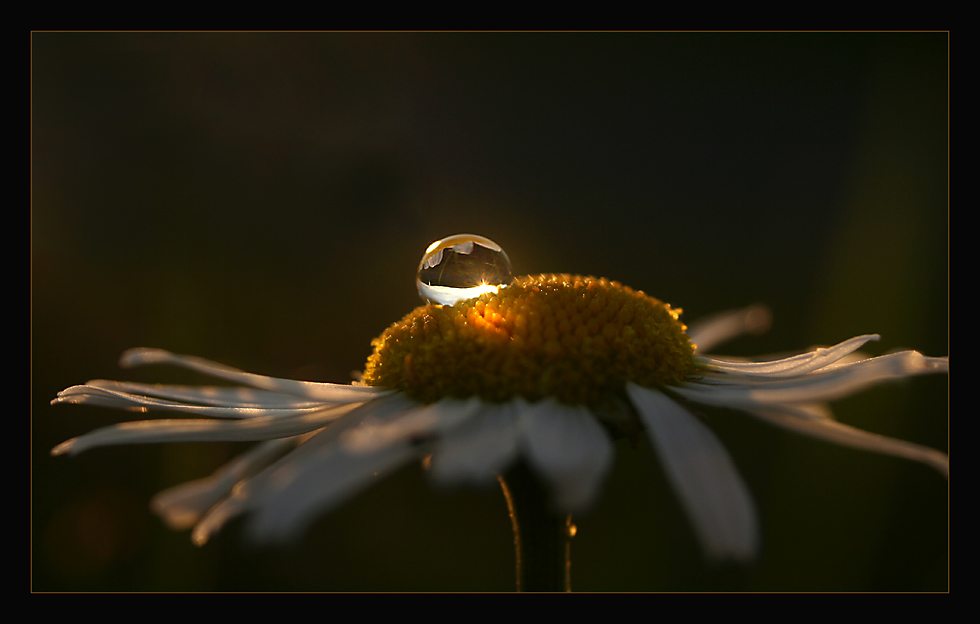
x: 576, y: 339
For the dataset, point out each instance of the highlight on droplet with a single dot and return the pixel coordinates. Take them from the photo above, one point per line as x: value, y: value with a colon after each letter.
x: 460, y: 267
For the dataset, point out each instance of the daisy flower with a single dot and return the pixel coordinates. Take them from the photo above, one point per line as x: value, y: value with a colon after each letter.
x: 542, y: 372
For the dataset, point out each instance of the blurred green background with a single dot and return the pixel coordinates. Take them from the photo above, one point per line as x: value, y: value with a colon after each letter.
x: 263, y: 200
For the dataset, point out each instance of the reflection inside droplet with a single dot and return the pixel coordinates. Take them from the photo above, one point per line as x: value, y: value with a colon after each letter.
x: 462, y: 267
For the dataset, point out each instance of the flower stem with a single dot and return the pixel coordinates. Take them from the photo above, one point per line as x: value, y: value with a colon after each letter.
x: 542, y: 538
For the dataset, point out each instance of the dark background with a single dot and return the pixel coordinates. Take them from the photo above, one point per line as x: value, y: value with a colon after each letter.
x: 263, y: 200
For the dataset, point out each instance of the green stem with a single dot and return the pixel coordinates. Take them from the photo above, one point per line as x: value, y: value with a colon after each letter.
x: 542, y: 539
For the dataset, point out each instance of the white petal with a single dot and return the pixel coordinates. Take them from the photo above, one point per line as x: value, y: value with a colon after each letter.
x: 568, y: 448
x: 194, y: 430
x: 321, y: 474
x: 327, y: 392
x: 219, y: 515
x: 182, y: 506
x: 209, y: 395
x: 839, y: 433
x: 416, y: 425
x: 823, y: 385
x: 795, y: 365
x: 106, y: 397
x: 706, y: 480
x: 323, y: 486
x: 255, y: 490
x: 707, y: 333
x: 479, y: 449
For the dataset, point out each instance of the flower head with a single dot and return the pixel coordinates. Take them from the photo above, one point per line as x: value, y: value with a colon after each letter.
x: 546, y: 370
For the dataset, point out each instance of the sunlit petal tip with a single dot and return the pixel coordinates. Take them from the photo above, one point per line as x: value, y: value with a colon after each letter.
x: 176, y: 516
x: 758, y: 318
x: 914, y: 363
x: 61, y: 399
x: 140, y: 356
x: 217, y: 517
x: 72, y: 394
x: 65, y: 448
x: 866, y: 338
x: 709, y: 332
x: 183, y: 506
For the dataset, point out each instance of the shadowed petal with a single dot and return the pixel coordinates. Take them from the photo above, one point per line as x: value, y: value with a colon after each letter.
x: 476, y: 451
x: 332, y: 479
x: 706, y: 480
x: 319, y: 475
x: 420, y: 424
x: 182, y: 506
x: 568, y: 448
x: 802, y: 421
x: 248, y: 493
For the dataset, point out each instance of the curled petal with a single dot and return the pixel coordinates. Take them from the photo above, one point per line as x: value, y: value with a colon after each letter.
x: 827, y: 384
x: 324, y: 392
x: 702, y: 474
x: 106, y: 397
x: 209, y: 395
x: 795, y: 365
x: 195, y: 430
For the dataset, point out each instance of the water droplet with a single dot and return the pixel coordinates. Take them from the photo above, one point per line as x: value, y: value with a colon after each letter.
x: 462, y: 267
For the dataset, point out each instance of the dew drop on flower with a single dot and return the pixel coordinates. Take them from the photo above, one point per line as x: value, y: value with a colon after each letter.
x: 462, y: 267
